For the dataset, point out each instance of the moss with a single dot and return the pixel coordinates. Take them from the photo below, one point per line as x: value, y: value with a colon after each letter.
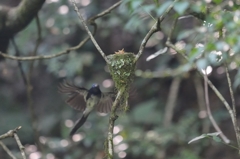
x: 122, y: 70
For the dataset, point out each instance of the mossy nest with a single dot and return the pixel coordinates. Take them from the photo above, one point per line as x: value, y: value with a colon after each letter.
x: 122, y: 69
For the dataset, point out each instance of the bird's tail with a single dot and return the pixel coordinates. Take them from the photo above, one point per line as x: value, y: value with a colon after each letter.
x: 78, y: 124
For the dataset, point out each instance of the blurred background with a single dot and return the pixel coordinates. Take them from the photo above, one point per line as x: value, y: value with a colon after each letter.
x: 166, y: 111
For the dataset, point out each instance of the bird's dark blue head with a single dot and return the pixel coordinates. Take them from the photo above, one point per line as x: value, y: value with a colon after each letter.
x: 95, y: 89
x: 95, y: 85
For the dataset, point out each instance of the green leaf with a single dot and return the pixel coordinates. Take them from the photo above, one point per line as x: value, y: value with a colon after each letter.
x: 202, y: 64
x: 204, y: 136
x: 217, y: 139
x: 162, y: 8
x: 180, y: 7
x: 149, y: 8
x: 136, y: 4
x: 217, y: 1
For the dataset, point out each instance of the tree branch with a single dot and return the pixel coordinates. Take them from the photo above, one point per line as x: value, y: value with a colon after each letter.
x: 7, y: 150
x: 113, y: 117
x: 13, y: 133
x: 234, y: 120
x: 154, y: 29
x: 19, y: 17
x: 21, y: 147
x: 29, y: 87
x: 200, y: 99
x: 171, y: 101
x: 91, y: 21
x: 219, y: 95
x: 214, y: 123
x: 89, y: 32
x: 29, y: 58
x: 164, y: 73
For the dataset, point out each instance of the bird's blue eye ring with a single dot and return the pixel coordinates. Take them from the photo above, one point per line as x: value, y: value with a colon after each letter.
x: 95, y: 85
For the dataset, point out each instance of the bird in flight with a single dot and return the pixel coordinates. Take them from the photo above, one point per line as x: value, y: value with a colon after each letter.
x: 93, y: 97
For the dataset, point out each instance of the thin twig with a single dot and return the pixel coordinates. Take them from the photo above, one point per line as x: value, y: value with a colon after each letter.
x: 182, y: 52
x: 219, y: 95
x: 103, y: 13
x: 107, y: 11
x: 230, y: 90
x: 171, y: 101
x: 17, y: 53
x: 214, y: 123
x: 40, y: 57
x: 172, y: 29
x: 10, y: 133
x: 29, y: 88
x: 112, y: 119
x: 88, y: 31
x: 167, y: 11
x: 215, y: 90
x: 236, y: 127
x: 13, y: 133
x: 154, y: 29
x: 7, y: 150
x: 181, y: 70
x: 200, y: 93
x: 200, y: 98
x: 21, y: 147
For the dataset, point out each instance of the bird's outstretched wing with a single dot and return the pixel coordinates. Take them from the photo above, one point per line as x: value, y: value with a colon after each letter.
x: 105, y: 104
x: 76, y: 95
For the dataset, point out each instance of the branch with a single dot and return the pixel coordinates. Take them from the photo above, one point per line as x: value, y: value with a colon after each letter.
x: 91, y: 21
x: 171, y: 101
x: 231, y: 91
x: 224, y: 138
x: 164, y: 73
x: 234, y: 120
x: 107, y: 11
x: 167, y: 11
x: 154, y: 29
x: 29, y: 88
x: 202, y: 108
x: 89, y: 32
x: 29, y: 58
x: 17, y: 53
x: 13, y: 133
x: 112, y: 119
x: 7, y: 150
x: 21, y: 147
x: 19, y: 17
x: 10, y: 133
x: 219, y: 95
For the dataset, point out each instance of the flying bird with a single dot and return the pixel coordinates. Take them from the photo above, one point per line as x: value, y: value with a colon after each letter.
x: 93, y: 97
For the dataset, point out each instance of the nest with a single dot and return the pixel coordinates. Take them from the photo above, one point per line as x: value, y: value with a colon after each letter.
x: 122, y: 69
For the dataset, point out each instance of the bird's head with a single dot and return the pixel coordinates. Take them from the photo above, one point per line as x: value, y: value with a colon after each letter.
x: 95, y: 89
x: 95, y: 85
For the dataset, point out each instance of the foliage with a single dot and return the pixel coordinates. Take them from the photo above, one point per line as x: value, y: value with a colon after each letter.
x: 206, y: 31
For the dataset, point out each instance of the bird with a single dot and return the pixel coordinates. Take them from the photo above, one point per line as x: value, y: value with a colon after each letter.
x: 94, y: 98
